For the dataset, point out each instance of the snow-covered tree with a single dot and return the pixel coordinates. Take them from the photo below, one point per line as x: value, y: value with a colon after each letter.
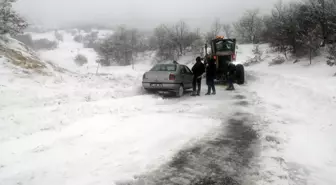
x: 300, y: 28
x: 10, y: 22
x: 174, y: 41
x: 323, y: 12
x: 118, y: 48
x: 249, y: 28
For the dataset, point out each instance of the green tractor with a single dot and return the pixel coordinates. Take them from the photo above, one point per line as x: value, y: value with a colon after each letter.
x: 224, y: 52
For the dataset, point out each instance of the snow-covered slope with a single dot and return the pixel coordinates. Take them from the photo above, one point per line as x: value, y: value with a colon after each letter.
x: 298, y: 101
x: 15, y: 55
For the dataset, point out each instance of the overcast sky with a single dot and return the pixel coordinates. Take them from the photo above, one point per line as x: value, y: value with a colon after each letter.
x: 137, y: 13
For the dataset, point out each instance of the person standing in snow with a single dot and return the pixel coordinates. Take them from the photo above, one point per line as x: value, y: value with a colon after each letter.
x: 231, y: 76
x: 198, y: 69
x: 210, y: 76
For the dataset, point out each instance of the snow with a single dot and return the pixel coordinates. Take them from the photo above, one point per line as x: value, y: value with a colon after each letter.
x: 81, y: 128
x: 299, y: 102
x: 45, y: 35
x: 103, y: 148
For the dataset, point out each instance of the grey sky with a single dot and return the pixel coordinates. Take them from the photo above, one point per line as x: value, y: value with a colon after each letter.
x: 137, y: 13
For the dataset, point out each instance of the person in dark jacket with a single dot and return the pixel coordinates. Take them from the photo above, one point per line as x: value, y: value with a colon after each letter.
x: 198, y: 69
x: 231, y: 76
x: 210, y: 76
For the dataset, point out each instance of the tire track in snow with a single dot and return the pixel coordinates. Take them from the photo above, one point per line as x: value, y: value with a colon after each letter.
x: 226, y: 159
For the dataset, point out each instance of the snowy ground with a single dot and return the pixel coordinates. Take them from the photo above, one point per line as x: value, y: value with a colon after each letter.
x: 80, y: 128
x: 299, y: 102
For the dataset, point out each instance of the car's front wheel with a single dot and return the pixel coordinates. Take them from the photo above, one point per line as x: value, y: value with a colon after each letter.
x: 180, y: 91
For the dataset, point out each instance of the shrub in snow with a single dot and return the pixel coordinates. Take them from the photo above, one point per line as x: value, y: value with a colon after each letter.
x: 331, y: 63
x: 45, y: 44
x: 296, y: 61
x: 92, y: 44
x: 332, y: 52
x: 278, y: 60
x: 73, y: 32
x: 104, y: 61
x: 91, y: 37
x: 78, y: 38
x: 252, y: 61
x: 257, y: 56
x: 58, y: 36
x: 256, y: 50
x: 26, y: 39
x: 81, y: 60
x: 88, y: 98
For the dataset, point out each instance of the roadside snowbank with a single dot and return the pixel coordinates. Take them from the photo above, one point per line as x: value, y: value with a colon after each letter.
x: 299, y: 103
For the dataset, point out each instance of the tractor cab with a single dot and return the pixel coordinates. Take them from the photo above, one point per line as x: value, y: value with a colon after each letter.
x: 224, y: 52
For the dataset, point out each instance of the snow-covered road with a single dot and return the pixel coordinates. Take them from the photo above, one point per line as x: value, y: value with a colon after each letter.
x: 110, y: 140
x: 275, y: 130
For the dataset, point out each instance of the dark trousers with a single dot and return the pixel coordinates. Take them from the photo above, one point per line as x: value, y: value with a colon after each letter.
x: 211, y: 85
x: 197, y: 81
x: 230, y: 82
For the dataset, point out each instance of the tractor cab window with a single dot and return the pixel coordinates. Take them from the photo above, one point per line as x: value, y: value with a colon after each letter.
x: 224, y: 45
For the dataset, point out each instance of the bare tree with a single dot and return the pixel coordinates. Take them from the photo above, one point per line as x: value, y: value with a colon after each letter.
x: 164, y: 43
x: 10, y: 21
x: 119, y: 47
x: 228, y: 30
x: 179, y: 33
x: 215, y: 30
x: 174, y: 41
x: 249, y: 27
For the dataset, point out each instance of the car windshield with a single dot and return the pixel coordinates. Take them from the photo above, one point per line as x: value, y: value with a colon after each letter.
x: 164, y: 67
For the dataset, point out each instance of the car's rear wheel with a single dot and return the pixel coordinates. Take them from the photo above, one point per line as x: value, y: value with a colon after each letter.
x: 180, y: 91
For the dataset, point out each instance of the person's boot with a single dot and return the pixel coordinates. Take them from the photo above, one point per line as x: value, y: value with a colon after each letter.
x: 214, y: 93
x: 208, y: 93
x: 193, y: 93
x: 230, y: 88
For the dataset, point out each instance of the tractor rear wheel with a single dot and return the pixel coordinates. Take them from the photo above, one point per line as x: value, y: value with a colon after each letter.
x: 240, y: 74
